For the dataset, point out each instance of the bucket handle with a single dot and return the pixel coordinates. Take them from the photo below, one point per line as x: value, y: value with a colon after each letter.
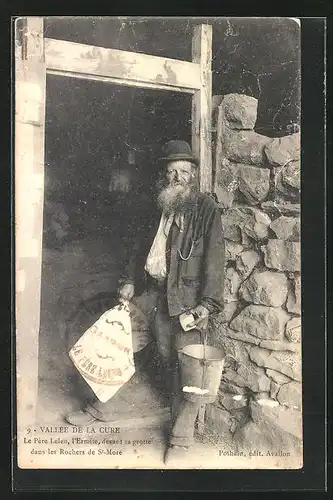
x: 204, y: 342
x: 203, y: 361
x: 203, y: 332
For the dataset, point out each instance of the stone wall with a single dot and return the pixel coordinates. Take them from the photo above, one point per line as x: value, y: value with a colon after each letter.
x: 257, y: 184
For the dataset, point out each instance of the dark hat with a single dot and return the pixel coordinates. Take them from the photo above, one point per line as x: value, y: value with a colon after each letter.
x: 178, y: 150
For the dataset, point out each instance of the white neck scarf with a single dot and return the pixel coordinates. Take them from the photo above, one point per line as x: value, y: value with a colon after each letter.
x: 156, y: 260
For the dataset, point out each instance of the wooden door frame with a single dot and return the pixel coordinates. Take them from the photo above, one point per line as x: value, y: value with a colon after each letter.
x: 36, y: 57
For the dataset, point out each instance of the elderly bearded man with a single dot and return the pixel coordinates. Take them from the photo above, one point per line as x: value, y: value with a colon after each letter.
x: 181, y: 261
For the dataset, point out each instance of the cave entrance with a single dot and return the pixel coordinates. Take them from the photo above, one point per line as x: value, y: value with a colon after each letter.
x: 100, y: 166
x: 36, y: 57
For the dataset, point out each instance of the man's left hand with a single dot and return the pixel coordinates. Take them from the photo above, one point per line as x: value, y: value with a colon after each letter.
x: 201, y: 315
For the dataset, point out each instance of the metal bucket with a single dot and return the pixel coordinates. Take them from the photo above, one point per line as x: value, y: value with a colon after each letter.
x: 201, y: 367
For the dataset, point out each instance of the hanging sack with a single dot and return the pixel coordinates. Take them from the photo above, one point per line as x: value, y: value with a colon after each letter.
x: 104, y: 354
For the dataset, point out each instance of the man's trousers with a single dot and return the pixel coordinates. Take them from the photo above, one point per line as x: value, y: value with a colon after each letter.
x: 169, y: 338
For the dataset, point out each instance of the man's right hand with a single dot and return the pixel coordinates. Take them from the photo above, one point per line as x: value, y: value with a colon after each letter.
x: 126, y: 291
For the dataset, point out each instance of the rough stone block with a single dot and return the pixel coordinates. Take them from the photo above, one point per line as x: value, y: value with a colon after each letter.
x: 266, y: 288
x: 287, y: 228
x: 243, y: 337
x: 247, y: 242
x: 256, y: 223
x: 278, y: 377
x: 278, y: 345
x: 274, y: 389
x: 232, y: 221
x: 282, y: 150
x: 232, y: 249
x: 260, y: 396
x: 294, y: 296
x: 249, y: 220
x: 293, y: 330
x: 231, y: 388
x: 235, y: 349
x: 229, y: 309
x: 291, y: 174
x: 240, y: 111
x: 244, y: 146
x: 273, y: 345
x: 229, y: 402
x: 283, y: 190
x: 231, y: 285
x: 250, y: 377
x: 288, y: 364
x: 246, y: 262
x: 226, y: 184
x: 291, y: 395
x: 225, y: 422
x: 274, y: 209
x: 256, y: 378
x: 239, y: 418
x: 287, y: 419
x: 282, y: 255
x: 231, y: 377
x: 273, y: 434
x: 261, y: 321
x: 253, y: 182
x: 291, y: 360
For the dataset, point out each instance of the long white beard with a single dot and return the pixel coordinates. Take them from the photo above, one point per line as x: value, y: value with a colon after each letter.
x: 174, y: 198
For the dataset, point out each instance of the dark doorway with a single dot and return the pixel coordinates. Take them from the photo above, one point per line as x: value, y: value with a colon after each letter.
x: 95, y: 132
x: 101, y: 149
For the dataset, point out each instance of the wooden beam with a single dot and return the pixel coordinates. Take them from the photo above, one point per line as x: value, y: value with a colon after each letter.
x: 30, y: 81
x: 117, y: 81
x: 202, y: 104
x: 121, y: 67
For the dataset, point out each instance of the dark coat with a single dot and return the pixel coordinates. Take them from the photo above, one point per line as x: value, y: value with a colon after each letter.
x: 195, y: 257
